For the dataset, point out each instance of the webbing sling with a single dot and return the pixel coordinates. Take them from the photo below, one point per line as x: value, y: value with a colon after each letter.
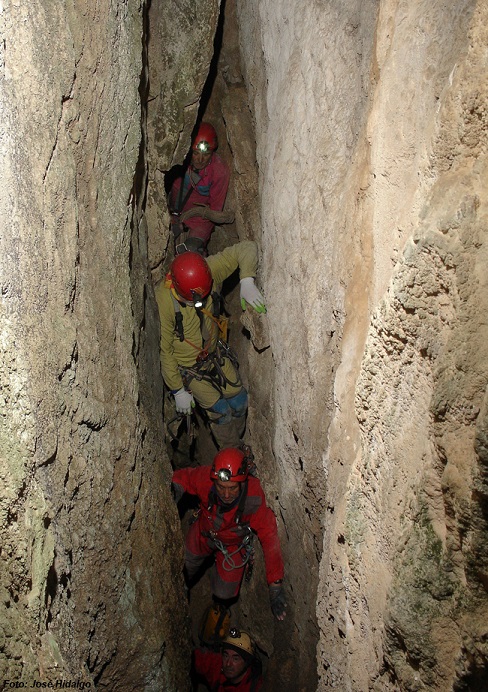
x: 229, y: 563
x: 214, y: 315
x: 180, y: 203
x: 210, y: 367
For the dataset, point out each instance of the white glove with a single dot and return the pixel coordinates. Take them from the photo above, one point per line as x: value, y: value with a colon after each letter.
x: 184, y: 401
x: 250, y: 294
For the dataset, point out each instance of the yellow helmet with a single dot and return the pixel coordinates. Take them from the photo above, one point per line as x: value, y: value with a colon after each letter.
x: 240, y: 642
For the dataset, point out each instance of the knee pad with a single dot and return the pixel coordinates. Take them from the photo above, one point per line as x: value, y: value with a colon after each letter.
x: 238, y: 403
x: 222, y: 412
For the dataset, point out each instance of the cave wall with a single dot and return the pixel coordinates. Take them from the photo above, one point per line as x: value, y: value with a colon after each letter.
x: 366, y: 124
x: 422, y: 386
x: 306, y: 70
x: 90, y: 541
x: 370, y: 123
x: 180, y: 49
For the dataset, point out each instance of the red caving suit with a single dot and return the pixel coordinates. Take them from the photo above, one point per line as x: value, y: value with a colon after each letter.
x: 222, y: 526
x: 209, y: 665
x: 211, y: 191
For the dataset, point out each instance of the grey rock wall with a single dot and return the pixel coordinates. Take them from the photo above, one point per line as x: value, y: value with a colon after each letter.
x: 90, y: 540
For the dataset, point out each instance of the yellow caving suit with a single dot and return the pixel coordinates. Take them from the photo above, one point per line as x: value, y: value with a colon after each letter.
x: 177, y: 355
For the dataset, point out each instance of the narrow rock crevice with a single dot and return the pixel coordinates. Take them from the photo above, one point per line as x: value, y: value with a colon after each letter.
x: 356, y: 135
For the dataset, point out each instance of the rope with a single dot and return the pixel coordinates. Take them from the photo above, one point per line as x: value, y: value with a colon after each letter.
x: 229, y: 556
x: 180, y: 417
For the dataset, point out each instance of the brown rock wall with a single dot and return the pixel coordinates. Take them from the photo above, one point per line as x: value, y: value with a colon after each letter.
x: 304, y: 69
x: 180, y: 49
x: 357, y: 136
x: 90, y: 535
x: 401, y: 595
x: 371, y: 142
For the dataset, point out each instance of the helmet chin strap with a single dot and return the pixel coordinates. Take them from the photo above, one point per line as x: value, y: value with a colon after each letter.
x: 176, y: 295
x: 191, y: 304
x: 197, y: 300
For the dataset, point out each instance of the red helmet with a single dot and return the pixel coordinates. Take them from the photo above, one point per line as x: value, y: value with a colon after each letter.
x: 229, y: 465
x: 191, y: 276
x: 205, y: 140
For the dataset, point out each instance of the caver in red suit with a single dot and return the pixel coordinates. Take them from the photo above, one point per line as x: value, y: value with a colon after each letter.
x: 208, y: 664
x: 196, y: 201
x: 232, y: 509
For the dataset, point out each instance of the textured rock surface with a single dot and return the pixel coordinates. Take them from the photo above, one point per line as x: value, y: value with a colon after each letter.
x: 407, y: 587
x: 371, y: 146
x: 309, y: 105
x: 90, y: 549
x: 365, y: 186
x: 180, y: 49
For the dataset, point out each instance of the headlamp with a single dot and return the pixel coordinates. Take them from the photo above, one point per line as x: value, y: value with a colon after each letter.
x: 234, y: 633
x: 203, y: 147
x: 197, y: 299
x: 224, y: 475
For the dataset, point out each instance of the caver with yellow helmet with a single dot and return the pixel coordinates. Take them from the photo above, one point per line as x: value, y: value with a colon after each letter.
x: 238, y: 667
x: 232, y: 510
x: 240, y: 642
x: 196, y: 362
x: 196, y: 200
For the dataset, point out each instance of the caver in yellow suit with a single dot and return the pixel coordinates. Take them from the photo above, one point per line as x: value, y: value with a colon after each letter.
x: 196, y: 363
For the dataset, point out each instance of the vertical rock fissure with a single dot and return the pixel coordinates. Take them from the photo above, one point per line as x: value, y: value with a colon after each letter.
x: 357, y: 137
x: 289, y: 647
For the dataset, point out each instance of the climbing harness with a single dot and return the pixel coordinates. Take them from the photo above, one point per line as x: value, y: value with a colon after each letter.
x: 216, y: 318
x: 229, y: 562
x: 208, y: 366
x: 245, y: 550
x: 210, y: 369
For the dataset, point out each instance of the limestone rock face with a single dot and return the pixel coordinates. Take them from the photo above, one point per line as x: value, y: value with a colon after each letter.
x: 309, y: 104
x: 180, y: 49
x: 90, y: 540
x: 357, y: 137
x: 371, y: 145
